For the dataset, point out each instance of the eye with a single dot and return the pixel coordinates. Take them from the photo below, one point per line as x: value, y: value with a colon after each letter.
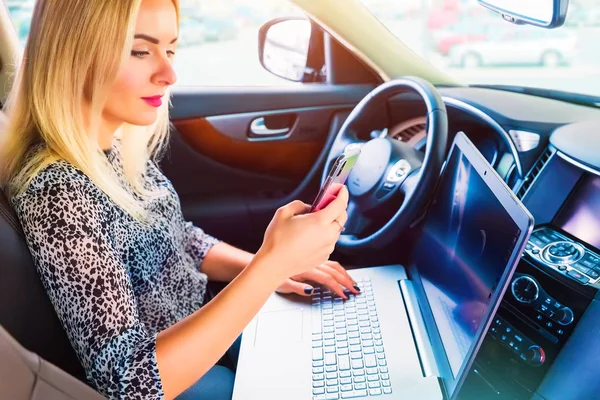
x: 139, y: 54
x: 170, y: 53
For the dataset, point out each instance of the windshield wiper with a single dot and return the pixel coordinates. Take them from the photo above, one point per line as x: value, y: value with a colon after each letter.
x: 575, y: 98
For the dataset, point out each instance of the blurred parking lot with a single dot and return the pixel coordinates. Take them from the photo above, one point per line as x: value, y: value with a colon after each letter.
x: 219, y: 42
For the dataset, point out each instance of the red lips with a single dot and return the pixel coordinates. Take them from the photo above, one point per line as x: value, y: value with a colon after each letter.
x: 154, y: 101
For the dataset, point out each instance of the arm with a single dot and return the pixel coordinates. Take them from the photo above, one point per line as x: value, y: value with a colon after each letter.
x: 231, y: 310
x: 224, y: 262
x: 218, y: 260
x: 93, y: 297
x: 292, y: 244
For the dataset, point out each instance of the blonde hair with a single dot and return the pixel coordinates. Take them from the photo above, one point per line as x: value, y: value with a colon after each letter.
x: 70, y: 61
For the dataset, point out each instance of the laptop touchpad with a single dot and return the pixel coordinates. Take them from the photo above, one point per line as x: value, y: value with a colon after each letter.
x: 279, y: 327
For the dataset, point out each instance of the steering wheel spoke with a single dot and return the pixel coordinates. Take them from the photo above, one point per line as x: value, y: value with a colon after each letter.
x: 410, y: 184
x: 357, y: 220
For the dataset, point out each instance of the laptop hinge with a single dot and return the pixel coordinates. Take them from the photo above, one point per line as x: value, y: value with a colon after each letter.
x: 417, y: 325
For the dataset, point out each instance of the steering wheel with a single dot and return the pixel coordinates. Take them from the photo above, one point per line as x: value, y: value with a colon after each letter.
x: 387, y: 167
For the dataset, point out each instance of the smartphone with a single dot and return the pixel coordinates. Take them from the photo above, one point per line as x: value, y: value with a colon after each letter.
x: 336, y: 178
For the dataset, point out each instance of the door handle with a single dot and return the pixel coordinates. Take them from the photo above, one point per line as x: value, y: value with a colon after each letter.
x: 258, y: 128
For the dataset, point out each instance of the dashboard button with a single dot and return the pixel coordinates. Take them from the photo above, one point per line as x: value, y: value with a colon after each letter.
x: 580, y: 268
x: 537, y: 241
x: 546, y: 311
x: 553, y: 235
x: 578, y: 276
x: 544, y: 238
x: 592, y: 258
x: 592, y: 273
x: 587, y: 263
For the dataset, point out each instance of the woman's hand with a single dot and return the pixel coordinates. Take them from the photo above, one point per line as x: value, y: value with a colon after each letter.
x: 295, y: 240
x: 330, y: 274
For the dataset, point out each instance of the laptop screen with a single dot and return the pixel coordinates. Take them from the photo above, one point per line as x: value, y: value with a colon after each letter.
x: 466, y: 247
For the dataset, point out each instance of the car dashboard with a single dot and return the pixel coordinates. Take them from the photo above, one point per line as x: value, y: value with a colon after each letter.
x: 547, y: 152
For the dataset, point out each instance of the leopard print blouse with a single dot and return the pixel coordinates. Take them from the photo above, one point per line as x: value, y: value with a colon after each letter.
x: 115, y: 282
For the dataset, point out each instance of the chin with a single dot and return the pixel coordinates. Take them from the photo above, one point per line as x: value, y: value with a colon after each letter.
x: 144, y: 119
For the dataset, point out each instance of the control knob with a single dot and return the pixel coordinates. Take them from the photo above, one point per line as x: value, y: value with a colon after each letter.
x: 535, y: 355
x: 563, y: 252
x: 564, y: 316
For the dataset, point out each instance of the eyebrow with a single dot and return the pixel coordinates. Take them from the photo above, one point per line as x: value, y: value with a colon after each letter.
x: 151, y: 39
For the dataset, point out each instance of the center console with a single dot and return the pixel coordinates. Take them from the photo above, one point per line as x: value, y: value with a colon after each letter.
x: 554, y: 284
x: 565, y: 255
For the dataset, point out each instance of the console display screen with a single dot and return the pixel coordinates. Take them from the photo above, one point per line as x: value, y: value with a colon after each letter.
x: 580, y: 215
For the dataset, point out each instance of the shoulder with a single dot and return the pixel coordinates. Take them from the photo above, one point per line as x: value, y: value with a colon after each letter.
x: 59, y: 186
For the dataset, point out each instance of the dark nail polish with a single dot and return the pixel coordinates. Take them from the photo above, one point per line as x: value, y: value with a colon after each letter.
x: 357, y: 288
x: 347, y: 292
x: 308, y: 290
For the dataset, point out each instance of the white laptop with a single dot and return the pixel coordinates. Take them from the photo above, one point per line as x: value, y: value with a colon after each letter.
x: 413, y: 332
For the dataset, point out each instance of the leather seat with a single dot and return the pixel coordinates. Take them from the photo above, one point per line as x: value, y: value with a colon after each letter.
x: 24, y: 375
x: 25, y: 310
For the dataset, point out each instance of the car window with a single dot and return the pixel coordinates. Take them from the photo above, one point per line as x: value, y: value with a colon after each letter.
x: 476, y: 46
x: 218, y: 40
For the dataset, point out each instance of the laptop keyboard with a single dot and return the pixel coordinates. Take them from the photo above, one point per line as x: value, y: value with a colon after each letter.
x: 348, y: 358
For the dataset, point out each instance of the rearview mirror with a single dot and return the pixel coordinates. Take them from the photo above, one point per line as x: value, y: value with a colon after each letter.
x: 283, y: 47
x: 544, y: 13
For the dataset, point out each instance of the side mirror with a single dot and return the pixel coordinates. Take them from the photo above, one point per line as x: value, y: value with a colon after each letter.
x: 543, y: 13
x: 283, y: 47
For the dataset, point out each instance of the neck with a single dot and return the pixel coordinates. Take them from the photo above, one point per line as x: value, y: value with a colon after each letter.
x: 106, y: 133
x: 107, y: 130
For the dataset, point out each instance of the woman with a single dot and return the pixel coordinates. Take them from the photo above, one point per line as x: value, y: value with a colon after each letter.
x: 126, y: 274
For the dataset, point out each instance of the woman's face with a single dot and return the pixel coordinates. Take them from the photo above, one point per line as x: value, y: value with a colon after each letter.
x: 141, y: 83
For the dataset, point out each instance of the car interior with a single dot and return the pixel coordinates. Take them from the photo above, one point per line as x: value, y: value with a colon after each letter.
x: 237, y: 153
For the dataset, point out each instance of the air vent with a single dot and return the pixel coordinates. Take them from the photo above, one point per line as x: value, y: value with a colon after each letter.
x: 535, y: 171
x: 410, y: 132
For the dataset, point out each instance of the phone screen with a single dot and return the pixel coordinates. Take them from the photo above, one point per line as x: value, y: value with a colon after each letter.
x: 335, y: 180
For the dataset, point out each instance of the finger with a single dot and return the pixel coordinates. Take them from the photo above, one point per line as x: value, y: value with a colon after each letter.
x: 340, y: 222
x: 343, y: 218
x: 341, y: 277
x: 337, y: 207
x: 338, y: 267
x: 323, y: 278
x: 292, y: 286
x: 296, y: 207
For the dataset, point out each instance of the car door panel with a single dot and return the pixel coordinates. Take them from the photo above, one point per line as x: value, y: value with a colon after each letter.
x: 193, y: 101
x: 286, y: 151
x: 230, y: 181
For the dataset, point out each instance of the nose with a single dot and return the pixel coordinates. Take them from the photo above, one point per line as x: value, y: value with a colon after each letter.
x: 165, y: 75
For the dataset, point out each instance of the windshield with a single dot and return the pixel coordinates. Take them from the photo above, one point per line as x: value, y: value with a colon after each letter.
x: 476, y: 46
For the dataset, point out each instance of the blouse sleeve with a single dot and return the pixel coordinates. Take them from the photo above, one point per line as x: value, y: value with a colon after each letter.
x: 88, y: 284
x: 197, y: 242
